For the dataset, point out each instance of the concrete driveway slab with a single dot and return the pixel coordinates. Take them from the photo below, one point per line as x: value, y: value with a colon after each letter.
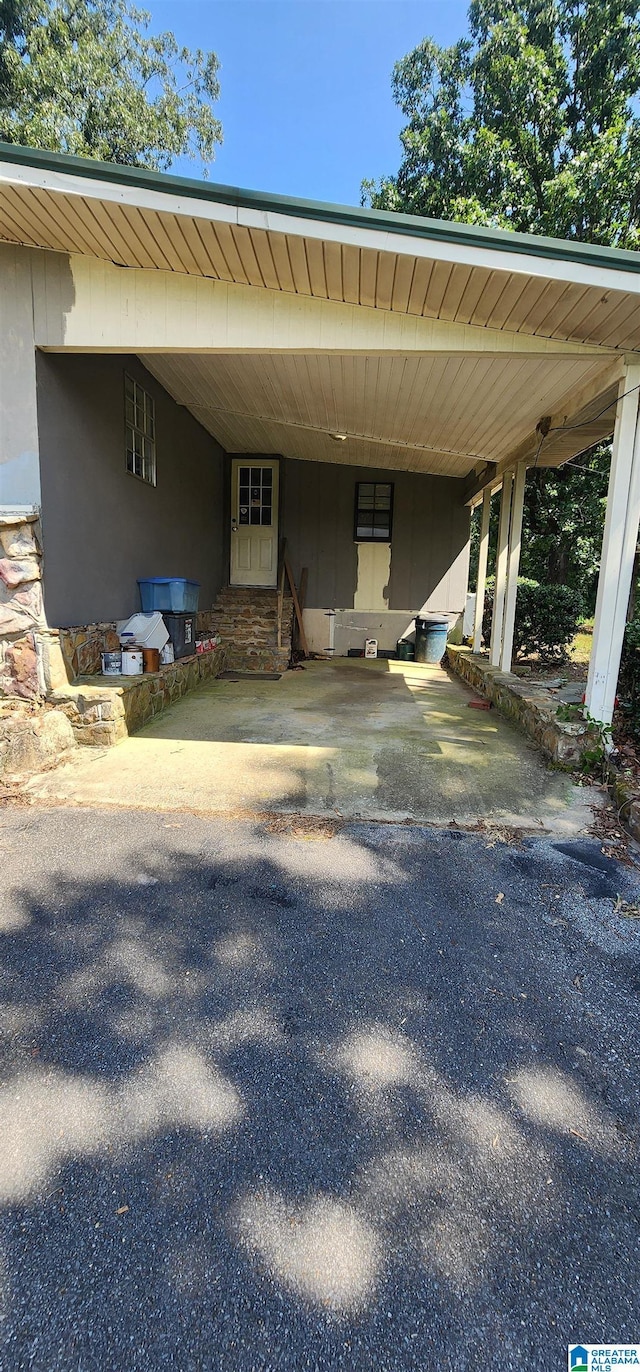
x: 373, y: 740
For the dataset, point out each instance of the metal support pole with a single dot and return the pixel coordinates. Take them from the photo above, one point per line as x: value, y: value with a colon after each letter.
x: 501, y: 570
x: 618, y: 551
x: 513, y: 566
x: 483, y: 553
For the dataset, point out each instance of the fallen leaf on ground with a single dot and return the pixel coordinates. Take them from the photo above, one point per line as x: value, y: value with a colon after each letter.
x: 499, y: 897
x: 624, y: 908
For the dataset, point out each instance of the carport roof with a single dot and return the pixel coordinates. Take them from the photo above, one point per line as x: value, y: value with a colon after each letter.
x: 416, y: 226
x: 488, y: 278
x: 521, y: 326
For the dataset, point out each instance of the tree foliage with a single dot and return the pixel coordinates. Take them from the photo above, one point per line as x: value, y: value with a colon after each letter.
x: 527, y: 123
x: 86, y: 77
x: 563, y: 520
x: 531, y: 122
x: 565, y: 508
x: 546, y: 621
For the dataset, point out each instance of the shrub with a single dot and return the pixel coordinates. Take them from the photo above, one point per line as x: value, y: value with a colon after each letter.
x: 547, y: 618
x: 629, y: 678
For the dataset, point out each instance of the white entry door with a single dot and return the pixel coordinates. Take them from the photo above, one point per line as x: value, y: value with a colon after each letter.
x: 254, y: 522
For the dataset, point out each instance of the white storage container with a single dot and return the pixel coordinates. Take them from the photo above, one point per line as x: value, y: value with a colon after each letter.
x: 132, y: 662
x: 145, y: 630
x: 371, y: 647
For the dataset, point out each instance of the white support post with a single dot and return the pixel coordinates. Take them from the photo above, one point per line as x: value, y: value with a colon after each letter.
x: 501, y: 570
x: 618, y: 551
x: 513, y: 566
x: 483, y: 553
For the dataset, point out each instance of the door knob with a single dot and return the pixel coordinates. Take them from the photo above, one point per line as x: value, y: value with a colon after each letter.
x: 234, y: 526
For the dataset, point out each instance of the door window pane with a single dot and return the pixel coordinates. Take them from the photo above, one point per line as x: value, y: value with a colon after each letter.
x: 255, y: 495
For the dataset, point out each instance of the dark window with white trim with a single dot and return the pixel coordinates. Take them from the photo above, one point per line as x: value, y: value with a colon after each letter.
x: 140, y: 431
x: 374, y: 511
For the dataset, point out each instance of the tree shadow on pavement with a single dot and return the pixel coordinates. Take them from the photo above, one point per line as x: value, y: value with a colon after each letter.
x: 311, y: 1105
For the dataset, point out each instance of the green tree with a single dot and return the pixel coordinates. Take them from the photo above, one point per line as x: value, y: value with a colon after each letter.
x: 86, y: 77
x: 529, y: 123
x: 564, y: 512
x: 563, y: 519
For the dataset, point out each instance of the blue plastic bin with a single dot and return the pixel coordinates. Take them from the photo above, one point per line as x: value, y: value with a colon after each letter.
x: 171, y: 593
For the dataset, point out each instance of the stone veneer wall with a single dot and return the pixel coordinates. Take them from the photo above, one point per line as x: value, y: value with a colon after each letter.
x: 246, y: 618
x: 33, y: 734
x: 31, y: 663
x: 21, y: 608
x: 532, y: 707
x: 83, y: 645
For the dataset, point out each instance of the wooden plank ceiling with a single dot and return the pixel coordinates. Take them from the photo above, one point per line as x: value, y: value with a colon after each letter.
x: 310, y: 265
x: 428, y: 412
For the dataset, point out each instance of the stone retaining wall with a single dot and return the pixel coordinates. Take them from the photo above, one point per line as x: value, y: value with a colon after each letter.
x: 33, y: 738
x: 624, y: 794
x: 103, y: 712
x: 532, y: 707
x: 83, y: 645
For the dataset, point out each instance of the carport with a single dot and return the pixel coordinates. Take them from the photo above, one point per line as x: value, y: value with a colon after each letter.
x: 439, y: 358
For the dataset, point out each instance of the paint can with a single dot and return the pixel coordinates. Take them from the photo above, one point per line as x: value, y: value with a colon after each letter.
x: 132, y: 663
x: 151, y: 659
x: 111, y: 664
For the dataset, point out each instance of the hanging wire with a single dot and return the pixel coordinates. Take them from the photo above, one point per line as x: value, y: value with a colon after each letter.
x: 562, y: 428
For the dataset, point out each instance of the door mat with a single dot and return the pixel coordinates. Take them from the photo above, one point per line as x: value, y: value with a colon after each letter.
x: 250, y: 676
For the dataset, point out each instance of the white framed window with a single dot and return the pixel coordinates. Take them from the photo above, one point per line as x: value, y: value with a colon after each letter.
x: 140, y: 430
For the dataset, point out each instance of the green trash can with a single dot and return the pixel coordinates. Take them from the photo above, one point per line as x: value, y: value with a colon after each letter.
x: 405, y: 650
x: 431, y: 638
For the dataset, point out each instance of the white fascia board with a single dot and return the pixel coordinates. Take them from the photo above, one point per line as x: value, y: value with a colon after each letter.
x: 62, y: 183
x: 489, y: 259
x: 376, y: 240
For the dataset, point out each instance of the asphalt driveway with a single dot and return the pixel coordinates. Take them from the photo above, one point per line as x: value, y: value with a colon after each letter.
x: 360, y: 1097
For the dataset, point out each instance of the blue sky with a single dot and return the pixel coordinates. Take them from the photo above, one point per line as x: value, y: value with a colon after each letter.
x: 306, y: 101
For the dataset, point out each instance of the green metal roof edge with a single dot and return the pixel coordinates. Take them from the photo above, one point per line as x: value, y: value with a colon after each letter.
x: 439, y: 230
